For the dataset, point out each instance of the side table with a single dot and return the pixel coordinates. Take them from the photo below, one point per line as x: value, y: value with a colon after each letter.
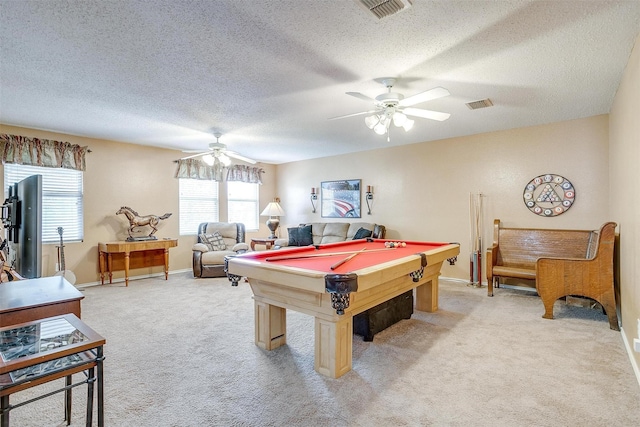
x: 44, y: 350
x: 267, y: 241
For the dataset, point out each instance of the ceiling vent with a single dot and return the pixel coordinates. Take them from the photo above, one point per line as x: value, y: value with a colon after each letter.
x: 483, y: 103
x: 383, y: 8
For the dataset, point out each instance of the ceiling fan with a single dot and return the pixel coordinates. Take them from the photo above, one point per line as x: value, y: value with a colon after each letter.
x: 218, y: 151
x: 394, y: 107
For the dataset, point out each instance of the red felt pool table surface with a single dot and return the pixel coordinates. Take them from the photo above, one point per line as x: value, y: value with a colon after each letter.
x: 374, y: 254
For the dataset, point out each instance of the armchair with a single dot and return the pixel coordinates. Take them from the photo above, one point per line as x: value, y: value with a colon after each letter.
x: 208, y: 258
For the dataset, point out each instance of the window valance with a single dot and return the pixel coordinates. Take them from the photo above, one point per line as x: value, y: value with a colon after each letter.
x: 245, y: 173
x: 42, y: 152
x: 197, y: 169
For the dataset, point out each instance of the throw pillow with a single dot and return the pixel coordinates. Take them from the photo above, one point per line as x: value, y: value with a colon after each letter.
x: 300, y: 236
x: 214, y: 241
x: 205, y: 239
x: 217, y: 242
x: 362, y: 233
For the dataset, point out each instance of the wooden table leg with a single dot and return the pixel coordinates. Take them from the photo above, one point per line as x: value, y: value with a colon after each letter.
x: 166, y: 264
x: 427, y: 296
x: 101, y: 259
x: 110, y: 265
x: 333, y: 346
x: 126, y: 268
x: 271, y: 325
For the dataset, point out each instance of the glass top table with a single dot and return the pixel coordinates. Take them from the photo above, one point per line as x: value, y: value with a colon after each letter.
x: 37, y: 352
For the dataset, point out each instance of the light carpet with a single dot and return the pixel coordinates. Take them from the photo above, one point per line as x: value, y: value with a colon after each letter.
x: 181, y: 353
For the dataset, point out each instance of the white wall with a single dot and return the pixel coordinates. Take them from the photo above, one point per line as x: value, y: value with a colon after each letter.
x: 422, y: 190
x: 625, y: 193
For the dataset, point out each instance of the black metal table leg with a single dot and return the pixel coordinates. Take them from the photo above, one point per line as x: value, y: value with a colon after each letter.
x: 90, y: 380
x: 67, y: 400
x: 4, y: 415
x: 100, y: 370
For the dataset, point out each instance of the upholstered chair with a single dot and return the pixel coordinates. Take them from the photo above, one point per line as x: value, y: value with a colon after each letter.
x: 215, y: 241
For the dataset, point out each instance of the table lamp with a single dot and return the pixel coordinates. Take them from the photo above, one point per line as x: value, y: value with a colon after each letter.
x: 273, y: 211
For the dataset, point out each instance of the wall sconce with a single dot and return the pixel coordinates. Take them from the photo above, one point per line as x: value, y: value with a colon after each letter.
x: 314, y: 197
x: 369, y: 198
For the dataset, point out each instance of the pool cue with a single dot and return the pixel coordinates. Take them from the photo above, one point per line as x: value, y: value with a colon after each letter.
x: 285, y: 257
x: 339, y: 263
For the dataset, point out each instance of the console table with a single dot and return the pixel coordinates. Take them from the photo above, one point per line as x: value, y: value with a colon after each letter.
x: 26, y: 300
x: 139, y: 254
x: 38, y: 352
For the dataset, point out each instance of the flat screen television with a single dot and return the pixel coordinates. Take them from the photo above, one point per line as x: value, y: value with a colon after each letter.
x: 22, y: 219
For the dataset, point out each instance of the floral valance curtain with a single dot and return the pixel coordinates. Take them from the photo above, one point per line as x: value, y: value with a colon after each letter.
x: 42, y: 152
x: 245, y: 173
x: 197, y: 169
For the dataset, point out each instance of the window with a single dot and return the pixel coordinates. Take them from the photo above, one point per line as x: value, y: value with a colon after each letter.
x: 62, y: 199
x: 242, y: 199
x: 198, y: 204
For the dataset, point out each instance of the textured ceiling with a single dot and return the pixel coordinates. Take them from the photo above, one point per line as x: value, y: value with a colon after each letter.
x: 268, y: 74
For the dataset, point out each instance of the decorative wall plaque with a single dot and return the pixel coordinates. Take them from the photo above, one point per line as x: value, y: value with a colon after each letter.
x: 549, y: 195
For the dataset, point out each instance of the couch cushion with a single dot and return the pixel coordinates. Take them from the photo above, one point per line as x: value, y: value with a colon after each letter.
x: 334, y: 232
x: 300, y: 236
x: 228, y: 231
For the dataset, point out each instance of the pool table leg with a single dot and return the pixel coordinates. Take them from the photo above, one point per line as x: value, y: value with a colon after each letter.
x: 333, y: 346
x: 427, y: 296
x: 271, y: 325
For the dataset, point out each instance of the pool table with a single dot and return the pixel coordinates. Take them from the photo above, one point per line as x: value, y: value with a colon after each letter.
x: 309, y: 280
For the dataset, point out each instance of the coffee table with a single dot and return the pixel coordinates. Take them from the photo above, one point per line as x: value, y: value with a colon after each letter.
x: 27, y: 300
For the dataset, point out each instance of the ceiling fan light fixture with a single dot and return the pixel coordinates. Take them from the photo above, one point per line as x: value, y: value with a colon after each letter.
x: 399, y: 119
x: 408, y: 124
x: 224, y: 159
x: 208, y: 159
x: 380, y: 128
x: 371, y: 121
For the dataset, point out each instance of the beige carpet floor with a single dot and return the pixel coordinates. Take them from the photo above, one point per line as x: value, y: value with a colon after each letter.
x: 181, y: 353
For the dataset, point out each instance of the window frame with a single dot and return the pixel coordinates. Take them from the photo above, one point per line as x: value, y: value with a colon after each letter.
x: 207, y: 206
x: 255, y: 199
x: 56, y: 188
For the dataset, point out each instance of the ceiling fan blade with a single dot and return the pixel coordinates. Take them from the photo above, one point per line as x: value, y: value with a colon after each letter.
x: 426, y: 114
x: 427, y: 95
x: 239, y: 157
x: 361, y: 96
x: 354, y: 114
x: 195, y: 155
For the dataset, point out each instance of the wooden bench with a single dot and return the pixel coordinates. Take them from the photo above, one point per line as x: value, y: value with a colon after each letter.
x: 561, y: 262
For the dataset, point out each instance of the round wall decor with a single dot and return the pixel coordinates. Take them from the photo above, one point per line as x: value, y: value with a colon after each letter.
x: 549, y: 195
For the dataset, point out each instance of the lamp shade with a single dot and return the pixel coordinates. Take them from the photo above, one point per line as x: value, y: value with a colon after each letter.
x: 273, y: 209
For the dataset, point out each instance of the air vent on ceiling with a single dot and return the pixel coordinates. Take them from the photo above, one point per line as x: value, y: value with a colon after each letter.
x: 483, y: 103
x: 383, y: 8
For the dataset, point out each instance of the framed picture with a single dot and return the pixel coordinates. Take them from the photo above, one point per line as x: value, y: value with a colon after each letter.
x: 340, y: 199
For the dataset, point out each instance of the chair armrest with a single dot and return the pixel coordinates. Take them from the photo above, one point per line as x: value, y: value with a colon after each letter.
x: 200, y: 247
x: 240, y: 247
x: 281, y: 242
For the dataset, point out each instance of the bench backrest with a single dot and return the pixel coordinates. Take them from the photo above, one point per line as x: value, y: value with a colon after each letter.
x: 521, y: 247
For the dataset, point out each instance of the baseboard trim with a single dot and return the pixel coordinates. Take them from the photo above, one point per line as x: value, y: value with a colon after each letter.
x: 629, y: 348
x: 143, y: 276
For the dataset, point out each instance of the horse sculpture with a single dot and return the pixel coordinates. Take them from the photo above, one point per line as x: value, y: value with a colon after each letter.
x: 135, y: 220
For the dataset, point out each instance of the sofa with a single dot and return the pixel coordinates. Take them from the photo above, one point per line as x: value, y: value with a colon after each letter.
x: 318, y: 233
x: 216, y: 240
